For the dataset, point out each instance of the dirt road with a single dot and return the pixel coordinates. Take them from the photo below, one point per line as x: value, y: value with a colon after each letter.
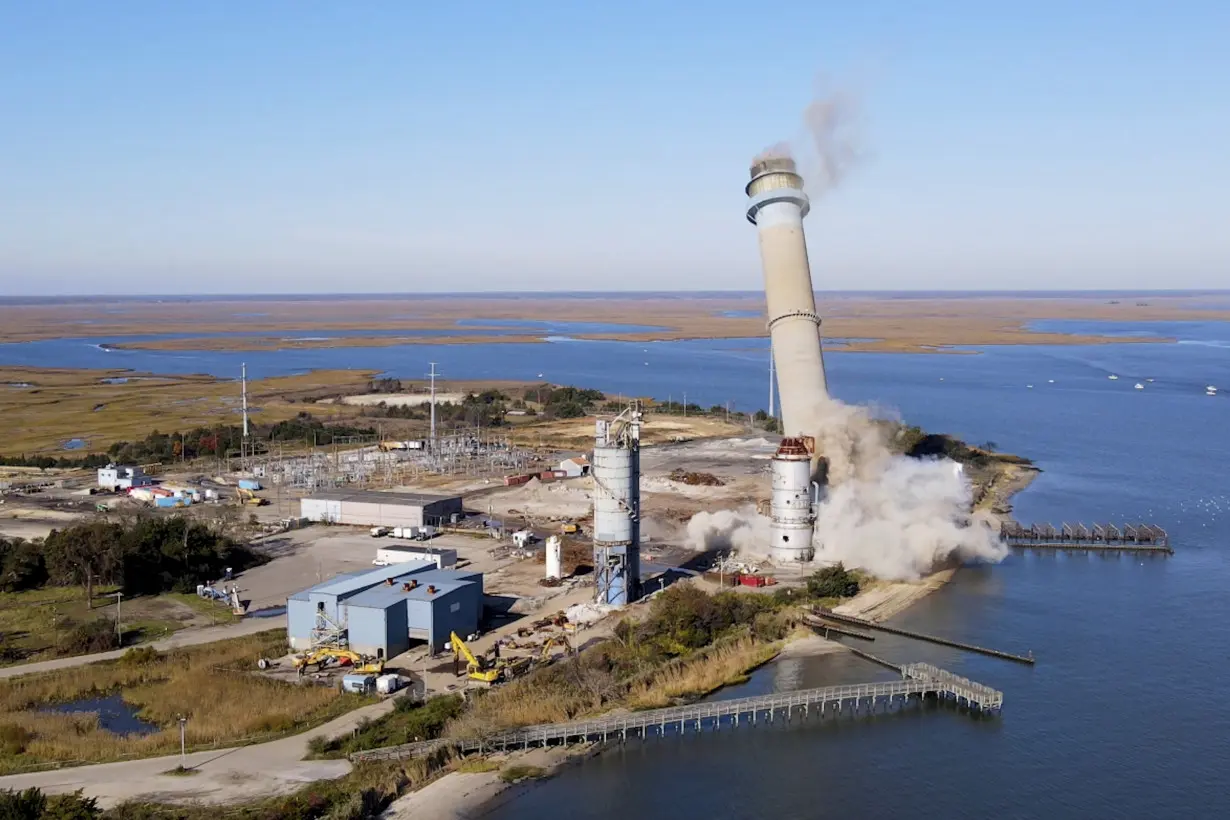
x: 186, y: 637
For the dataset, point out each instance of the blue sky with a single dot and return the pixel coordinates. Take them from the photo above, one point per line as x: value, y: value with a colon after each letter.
x: 396, y: 146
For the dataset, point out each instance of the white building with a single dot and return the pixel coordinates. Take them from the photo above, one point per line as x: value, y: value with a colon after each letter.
x: 575, y: 467
x: 119, y: 477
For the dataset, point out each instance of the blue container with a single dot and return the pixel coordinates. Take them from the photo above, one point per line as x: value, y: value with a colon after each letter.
x: 249, y: 484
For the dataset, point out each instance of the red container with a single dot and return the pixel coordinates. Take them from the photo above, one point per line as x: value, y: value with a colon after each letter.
x: 752, y: 580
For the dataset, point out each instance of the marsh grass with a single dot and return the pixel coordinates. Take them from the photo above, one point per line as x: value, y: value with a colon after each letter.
x: 706, y: 672
x: 214, y: 686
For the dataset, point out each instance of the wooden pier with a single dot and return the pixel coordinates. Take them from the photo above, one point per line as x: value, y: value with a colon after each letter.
x: 918, y: 682
x: 922, y: 636
x: 1098, y: 538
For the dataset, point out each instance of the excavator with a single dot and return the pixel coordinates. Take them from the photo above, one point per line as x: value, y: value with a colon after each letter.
x: 323, y: 656
x: 479, y: 669
x: 554, y: 641
x: 250, y: 498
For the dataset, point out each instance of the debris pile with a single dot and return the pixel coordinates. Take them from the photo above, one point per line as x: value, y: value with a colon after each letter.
x: 696, y: 479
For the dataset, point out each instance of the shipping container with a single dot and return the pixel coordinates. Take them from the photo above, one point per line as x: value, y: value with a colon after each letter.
x: 358, y: 683
x: 388, y: 684
x: 249, y: 484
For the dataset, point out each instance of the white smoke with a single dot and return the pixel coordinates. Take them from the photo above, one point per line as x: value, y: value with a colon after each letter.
x: 894, y: 516
x: 743, y: 530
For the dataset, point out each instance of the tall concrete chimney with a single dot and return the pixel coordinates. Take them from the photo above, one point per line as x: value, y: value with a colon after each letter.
x: 777, y: 206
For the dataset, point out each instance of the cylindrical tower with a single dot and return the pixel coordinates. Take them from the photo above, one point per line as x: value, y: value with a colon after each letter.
x: 616, y: 473
x: 791, y: 521
x: 777, y: 206
x: 554, y: 562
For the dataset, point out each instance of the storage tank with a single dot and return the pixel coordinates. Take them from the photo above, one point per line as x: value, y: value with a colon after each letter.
x: 791, y: 521
x: 554, y: 558
x: 616, y: 472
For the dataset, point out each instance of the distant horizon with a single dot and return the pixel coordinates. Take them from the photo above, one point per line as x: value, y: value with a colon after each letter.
x: 939, y: 293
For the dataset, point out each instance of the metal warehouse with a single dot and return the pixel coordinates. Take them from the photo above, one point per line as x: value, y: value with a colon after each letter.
x: 381, y: 611
x: 376, y: 509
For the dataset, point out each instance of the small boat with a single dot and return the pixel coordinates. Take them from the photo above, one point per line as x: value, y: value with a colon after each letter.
x: 1150, y: 381
x: 1210, y: 390
x: 1050, y: 381
x: 1139, y: 386
x: 1113, y: 377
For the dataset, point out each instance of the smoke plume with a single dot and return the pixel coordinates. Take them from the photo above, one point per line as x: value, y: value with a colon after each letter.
x: 830, y: 143
x: 893, y: 516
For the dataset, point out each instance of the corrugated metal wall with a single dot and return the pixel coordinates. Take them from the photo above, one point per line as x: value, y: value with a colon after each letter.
x: 367, y: 629
x: 300, y: 618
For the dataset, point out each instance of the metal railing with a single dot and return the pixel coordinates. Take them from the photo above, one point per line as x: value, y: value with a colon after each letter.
x: 918, y: 679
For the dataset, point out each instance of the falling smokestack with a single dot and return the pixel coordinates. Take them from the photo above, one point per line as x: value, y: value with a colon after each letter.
x: 777, y: 206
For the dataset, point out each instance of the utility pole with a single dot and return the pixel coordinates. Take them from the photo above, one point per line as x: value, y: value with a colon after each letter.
x: 119, y: 630
x: 243, y: 381
x: 770, y: 379
x: 183, y: 747
x: 433, y: 375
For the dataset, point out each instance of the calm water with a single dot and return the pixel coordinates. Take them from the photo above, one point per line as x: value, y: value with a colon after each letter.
x: 114, y: 714
x: 1124, y: 715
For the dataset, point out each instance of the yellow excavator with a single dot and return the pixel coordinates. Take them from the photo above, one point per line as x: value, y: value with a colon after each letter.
x: 478, y: 668
x: 250, y: 498
x: 554, y: 641
x: 323, y: 656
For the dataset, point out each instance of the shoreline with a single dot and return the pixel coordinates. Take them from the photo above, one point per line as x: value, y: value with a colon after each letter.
x: 463, y: 796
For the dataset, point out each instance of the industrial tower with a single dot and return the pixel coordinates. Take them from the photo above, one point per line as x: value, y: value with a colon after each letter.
x: 777, y: 206
x: 616, y: 473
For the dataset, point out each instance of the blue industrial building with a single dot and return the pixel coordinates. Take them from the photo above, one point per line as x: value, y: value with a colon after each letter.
x: 381, y: 611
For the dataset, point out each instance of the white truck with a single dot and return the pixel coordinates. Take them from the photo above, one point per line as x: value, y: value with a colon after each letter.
x: 426, y: 533
x: 380, y: 532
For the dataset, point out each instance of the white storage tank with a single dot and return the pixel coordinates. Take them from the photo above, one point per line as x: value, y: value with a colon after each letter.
x: 791, y: 525
x: 554, y: 558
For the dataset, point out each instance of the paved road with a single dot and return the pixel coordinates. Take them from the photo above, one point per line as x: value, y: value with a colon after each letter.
x: 185, y: 637
x: 224, y: 775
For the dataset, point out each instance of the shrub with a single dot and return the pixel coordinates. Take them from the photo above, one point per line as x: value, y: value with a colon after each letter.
x: 98, y: 635
x: 13, y: 740
x: 832, y: 582
x: 514, y: 773
x: 32, y: 804
x: 140, y: 656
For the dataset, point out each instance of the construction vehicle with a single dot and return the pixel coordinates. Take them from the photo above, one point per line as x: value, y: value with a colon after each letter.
x: 323, y: 656
x: 570, y: 528
x: 250, y: 498
x: 552, y: 642
x: 479, y: 669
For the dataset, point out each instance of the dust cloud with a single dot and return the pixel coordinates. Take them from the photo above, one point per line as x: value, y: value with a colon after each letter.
x: 743, y: 530
x: 894, y: 516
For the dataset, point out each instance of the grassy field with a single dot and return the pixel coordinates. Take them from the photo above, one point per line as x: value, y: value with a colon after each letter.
x: 36, y: 625
x: 65, y: 404
x: 214, y: 686
x: 908, y: 324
